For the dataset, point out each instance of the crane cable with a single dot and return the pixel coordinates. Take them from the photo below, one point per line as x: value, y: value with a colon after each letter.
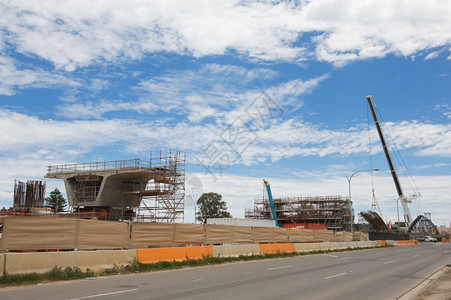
x: 405, y: 170
x: 374, y: 201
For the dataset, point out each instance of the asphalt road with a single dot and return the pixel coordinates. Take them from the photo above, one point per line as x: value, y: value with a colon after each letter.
x: 383, y: 273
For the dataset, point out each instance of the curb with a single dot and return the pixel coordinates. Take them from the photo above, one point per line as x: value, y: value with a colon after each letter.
x: 424, y: 284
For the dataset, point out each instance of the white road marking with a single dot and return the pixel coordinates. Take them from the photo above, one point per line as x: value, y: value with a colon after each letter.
x: 277, y: 268
x: 196, y: 280
x: 106, y: 294
x: 345, y: 258
x: 389, y: 262
x: 341, y: 274
x: 414, y: 255
x: 330, y: 255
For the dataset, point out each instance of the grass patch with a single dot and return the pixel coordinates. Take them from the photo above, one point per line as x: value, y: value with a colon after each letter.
x: 56, y: 274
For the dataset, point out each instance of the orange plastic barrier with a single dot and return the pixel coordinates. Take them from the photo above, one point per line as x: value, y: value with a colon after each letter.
x: 407, y: 243
x: 170, y: 254
x: 381, y: 243
x: 276, y: 248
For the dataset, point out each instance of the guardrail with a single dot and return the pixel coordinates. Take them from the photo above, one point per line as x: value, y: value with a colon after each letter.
x: 99, y: 166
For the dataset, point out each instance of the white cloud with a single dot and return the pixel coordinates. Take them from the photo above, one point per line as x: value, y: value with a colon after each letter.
x: 432, y: 55
x: 73, y: 35
x: 12, y: 77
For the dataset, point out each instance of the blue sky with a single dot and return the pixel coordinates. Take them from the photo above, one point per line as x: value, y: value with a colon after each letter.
x: 112, y: 80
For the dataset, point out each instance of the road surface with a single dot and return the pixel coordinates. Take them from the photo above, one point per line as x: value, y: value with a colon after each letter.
x: 382, y: 273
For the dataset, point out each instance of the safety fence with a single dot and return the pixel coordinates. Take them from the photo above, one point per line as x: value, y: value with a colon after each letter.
x: 49, y: 234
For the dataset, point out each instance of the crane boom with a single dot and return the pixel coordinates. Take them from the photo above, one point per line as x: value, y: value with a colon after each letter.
x: 403, y: 199
x: 271, y: 202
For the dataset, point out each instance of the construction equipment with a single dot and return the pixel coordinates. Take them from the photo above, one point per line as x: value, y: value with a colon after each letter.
x: 403, y: 199
x: 271, y: 202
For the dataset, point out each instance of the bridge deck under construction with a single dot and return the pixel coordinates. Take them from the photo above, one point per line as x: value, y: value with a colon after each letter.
x: 333, y: 211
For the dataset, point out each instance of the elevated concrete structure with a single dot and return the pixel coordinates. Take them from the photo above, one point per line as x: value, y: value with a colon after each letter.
x: 121, y: 186
x: 114, y: 184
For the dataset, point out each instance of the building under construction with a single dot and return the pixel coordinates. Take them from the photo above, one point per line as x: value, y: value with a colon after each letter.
x: 148, y: 190
x: 332, y: 211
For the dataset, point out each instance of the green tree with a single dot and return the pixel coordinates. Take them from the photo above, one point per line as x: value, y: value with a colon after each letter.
x: 211, y: 206
x: 56, y: 201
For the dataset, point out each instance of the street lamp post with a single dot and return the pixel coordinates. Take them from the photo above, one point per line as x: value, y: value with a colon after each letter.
x: 350, y: 202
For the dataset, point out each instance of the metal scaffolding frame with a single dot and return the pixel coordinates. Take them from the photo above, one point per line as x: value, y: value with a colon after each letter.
x: 332, y: 211
x: 164, y: 195
x: 148, y: 190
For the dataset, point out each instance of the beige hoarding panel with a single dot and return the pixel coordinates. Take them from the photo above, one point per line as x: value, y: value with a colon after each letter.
x: 280, y: 235
x: 147, y: 234
x: 347, y: 236
x: 338, y: 236
x: 262, y: 235
x: 218, y: 234
x: 363, y: 236
x: 29, y: 233
x: 242, y: 234
x: 307, y: 235
x: 295, y: 235
x: 324, y: 235
x: 102, y: 235
x: 189, y: 234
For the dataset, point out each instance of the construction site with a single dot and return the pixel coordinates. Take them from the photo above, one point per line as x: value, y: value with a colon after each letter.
x: 145, y: 190
x: 311, y: 212
x: 153, y: 190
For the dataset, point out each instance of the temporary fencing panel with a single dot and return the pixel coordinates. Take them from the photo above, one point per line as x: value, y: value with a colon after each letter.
x: 29, y: 233
x: 152, y: 234
x: 323, y: 235
x: 294, y: 235
x: 347, y: 236
x: 189, y: 234
x: 94, y: 234
x: 262, y: 235
x: 242, y: 234
x: 363, y: 236
x: 280, y: 235
x: 308, y: 235
x: 338, y: 236
x: 270, y: 235
x: 218, y: 234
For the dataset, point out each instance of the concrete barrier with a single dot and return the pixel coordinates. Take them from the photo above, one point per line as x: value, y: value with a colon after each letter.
x: 236, y: 250
x: 407, y: 243
x: 309, y: 247
x: 381, y: 243
x: 170, y: 254
x: 41, y: 262
x: 276, y: 248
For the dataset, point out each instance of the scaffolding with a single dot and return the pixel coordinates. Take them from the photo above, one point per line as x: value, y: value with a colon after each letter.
x: 333, y: 211
x: 152, y: 190
x: 164, y: 195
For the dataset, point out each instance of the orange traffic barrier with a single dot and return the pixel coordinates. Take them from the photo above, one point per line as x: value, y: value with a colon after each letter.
x: 276, y: 248
x: 170, y: 254
x: 407, y: 243
x: 381, y: 243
